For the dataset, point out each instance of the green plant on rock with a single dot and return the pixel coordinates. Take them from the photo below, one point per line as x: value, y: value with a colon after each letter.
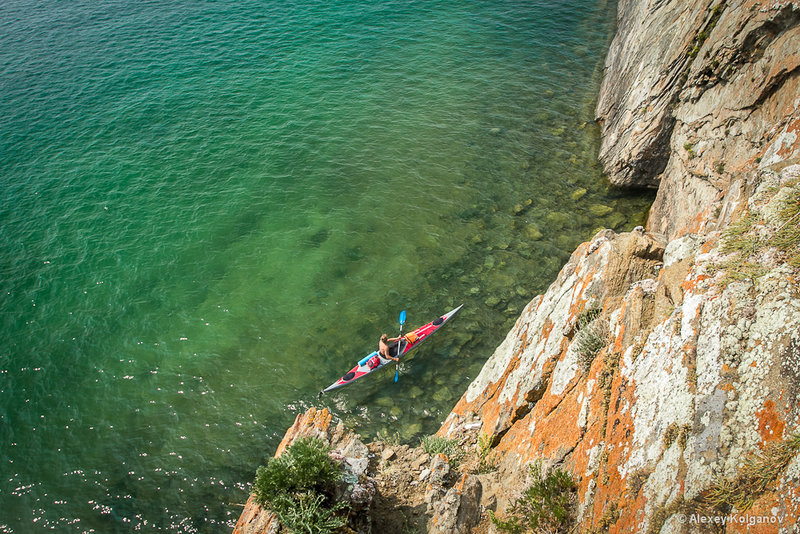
x: 587, y: 316
x: 787, y: 237
x: 308, y: 513
x: 434, y: 445
x: 547, y: 505
x: 486, y: 461
x: 744, y: 241
x: 298, y: 487
x: 591, y: 336
x: 757, y: 474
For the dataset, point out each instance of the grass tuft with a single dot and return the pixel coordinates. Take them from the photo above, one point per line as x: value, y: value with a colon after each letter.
x: 486, y: 461
x: 434, y: 445
x: 756, y: 475
x: 745, y: 241
x: 591, y: 337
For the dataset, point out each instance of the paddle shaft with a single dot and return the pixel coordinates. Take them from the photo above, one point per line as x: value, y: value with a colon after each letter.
x: 399, y: 341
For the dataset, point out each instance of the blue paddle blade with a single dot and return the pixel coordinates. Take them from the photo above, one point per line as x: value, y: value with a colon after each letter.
x: 402, y: 317
x: 396, y: 374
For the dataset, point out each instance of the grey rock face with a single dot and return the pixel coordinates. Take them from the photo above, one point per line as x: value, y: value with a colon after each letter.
x: 698, y: 95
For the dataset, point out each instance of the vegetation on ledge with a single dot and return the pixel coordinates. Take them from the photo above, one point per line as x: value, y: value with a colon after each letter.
x: 298, y: 487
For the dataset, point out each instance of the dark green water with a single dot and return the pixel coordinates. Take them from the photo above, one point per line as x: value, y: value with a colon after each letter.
x: 210, y: 210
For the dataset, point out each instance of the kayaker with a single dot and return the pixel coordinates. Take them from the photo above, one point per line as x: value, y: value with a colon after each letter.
x: 383, y: 347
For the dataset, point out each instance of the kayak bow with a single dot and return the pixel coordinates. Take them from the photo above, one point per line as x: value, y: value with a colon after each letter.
x: 374, y: 361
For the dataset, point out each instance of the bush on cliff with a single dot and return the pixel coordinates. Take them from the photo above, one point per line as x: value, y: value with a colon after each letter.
x: 547, y: 505
x: 298, y: 487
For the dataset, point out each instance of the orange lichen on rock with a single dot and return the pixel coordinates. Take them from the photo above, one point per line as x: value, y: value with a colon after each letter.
x: 311, y: 423
x: 690, y: 284
x: 776, y: 509
x: 770, y: 424
x: 254, y: 519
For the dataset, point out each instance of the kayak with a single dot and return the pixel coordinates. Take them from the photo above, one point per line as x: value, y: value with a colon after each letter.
x: 374, y: 361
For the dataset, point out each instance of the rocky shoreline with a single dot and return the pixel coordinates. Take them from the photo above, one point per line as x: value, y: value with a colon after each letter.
x: 661, y: 369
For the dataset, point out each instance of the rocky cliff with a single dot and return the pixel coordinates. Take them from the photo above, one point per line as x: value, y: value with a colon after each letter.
x: 661, y: 369
x: 697, y: 98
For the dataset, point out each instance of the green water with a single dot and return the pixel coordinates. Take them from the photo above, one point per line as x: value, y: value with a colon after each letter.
x: 211, y: 210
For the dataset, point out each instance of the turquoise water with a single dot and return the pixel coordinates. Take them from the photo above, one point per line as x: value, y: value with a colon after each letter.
x: 211, y: 210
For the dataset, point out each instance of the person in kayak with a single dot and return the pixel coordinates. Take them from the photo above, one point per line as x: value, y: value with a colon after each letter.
x: 383, y: 347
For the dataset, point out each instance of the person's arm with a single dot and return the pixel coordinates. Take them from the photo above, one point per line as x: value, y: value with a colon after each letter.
x: 394, y: 339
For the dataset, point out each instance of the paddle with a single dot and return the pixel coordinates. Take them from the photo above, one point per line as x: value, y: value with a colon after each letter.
x: 402, y: 320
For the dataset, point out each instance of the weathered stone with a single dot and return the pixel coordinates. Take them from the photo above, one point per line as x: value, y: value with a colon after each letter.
x: 421, y: 460
x: 492, y: 301
x: 442, y: 394
x: 533, y: 233
x: 459, y: 509
x: 518, y: 371
x: 681, y: 249
x: 440, y: 468
x: 411, y: 430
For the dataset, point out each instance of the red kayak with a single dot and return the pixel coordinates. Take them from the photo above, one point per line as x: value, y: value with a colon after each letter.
x: 374, y: 361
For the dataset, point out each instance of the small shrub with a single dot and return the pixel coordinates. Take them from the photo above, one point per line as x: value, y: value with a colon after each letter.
x: 305, y: 466
x: 486, y: 462
x: 547, y: 505
x: 434, y: 445
x: 591, y: 337
x: 637, y: 479
x: 297, y: 487
x: 587, y: 316
x: 676, y: 432
x: 754, y: 478
x: 670, y: 435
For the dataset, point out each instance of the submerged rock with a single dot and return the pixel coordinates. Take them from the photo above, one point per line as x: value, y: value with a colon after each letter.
x: 600, y: 210
x: 578, y: 194
x: 533, y: 233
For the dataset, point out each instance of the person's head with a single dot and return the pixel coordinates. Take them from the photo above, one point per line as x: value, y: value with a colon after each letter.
x: 384, y: 338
